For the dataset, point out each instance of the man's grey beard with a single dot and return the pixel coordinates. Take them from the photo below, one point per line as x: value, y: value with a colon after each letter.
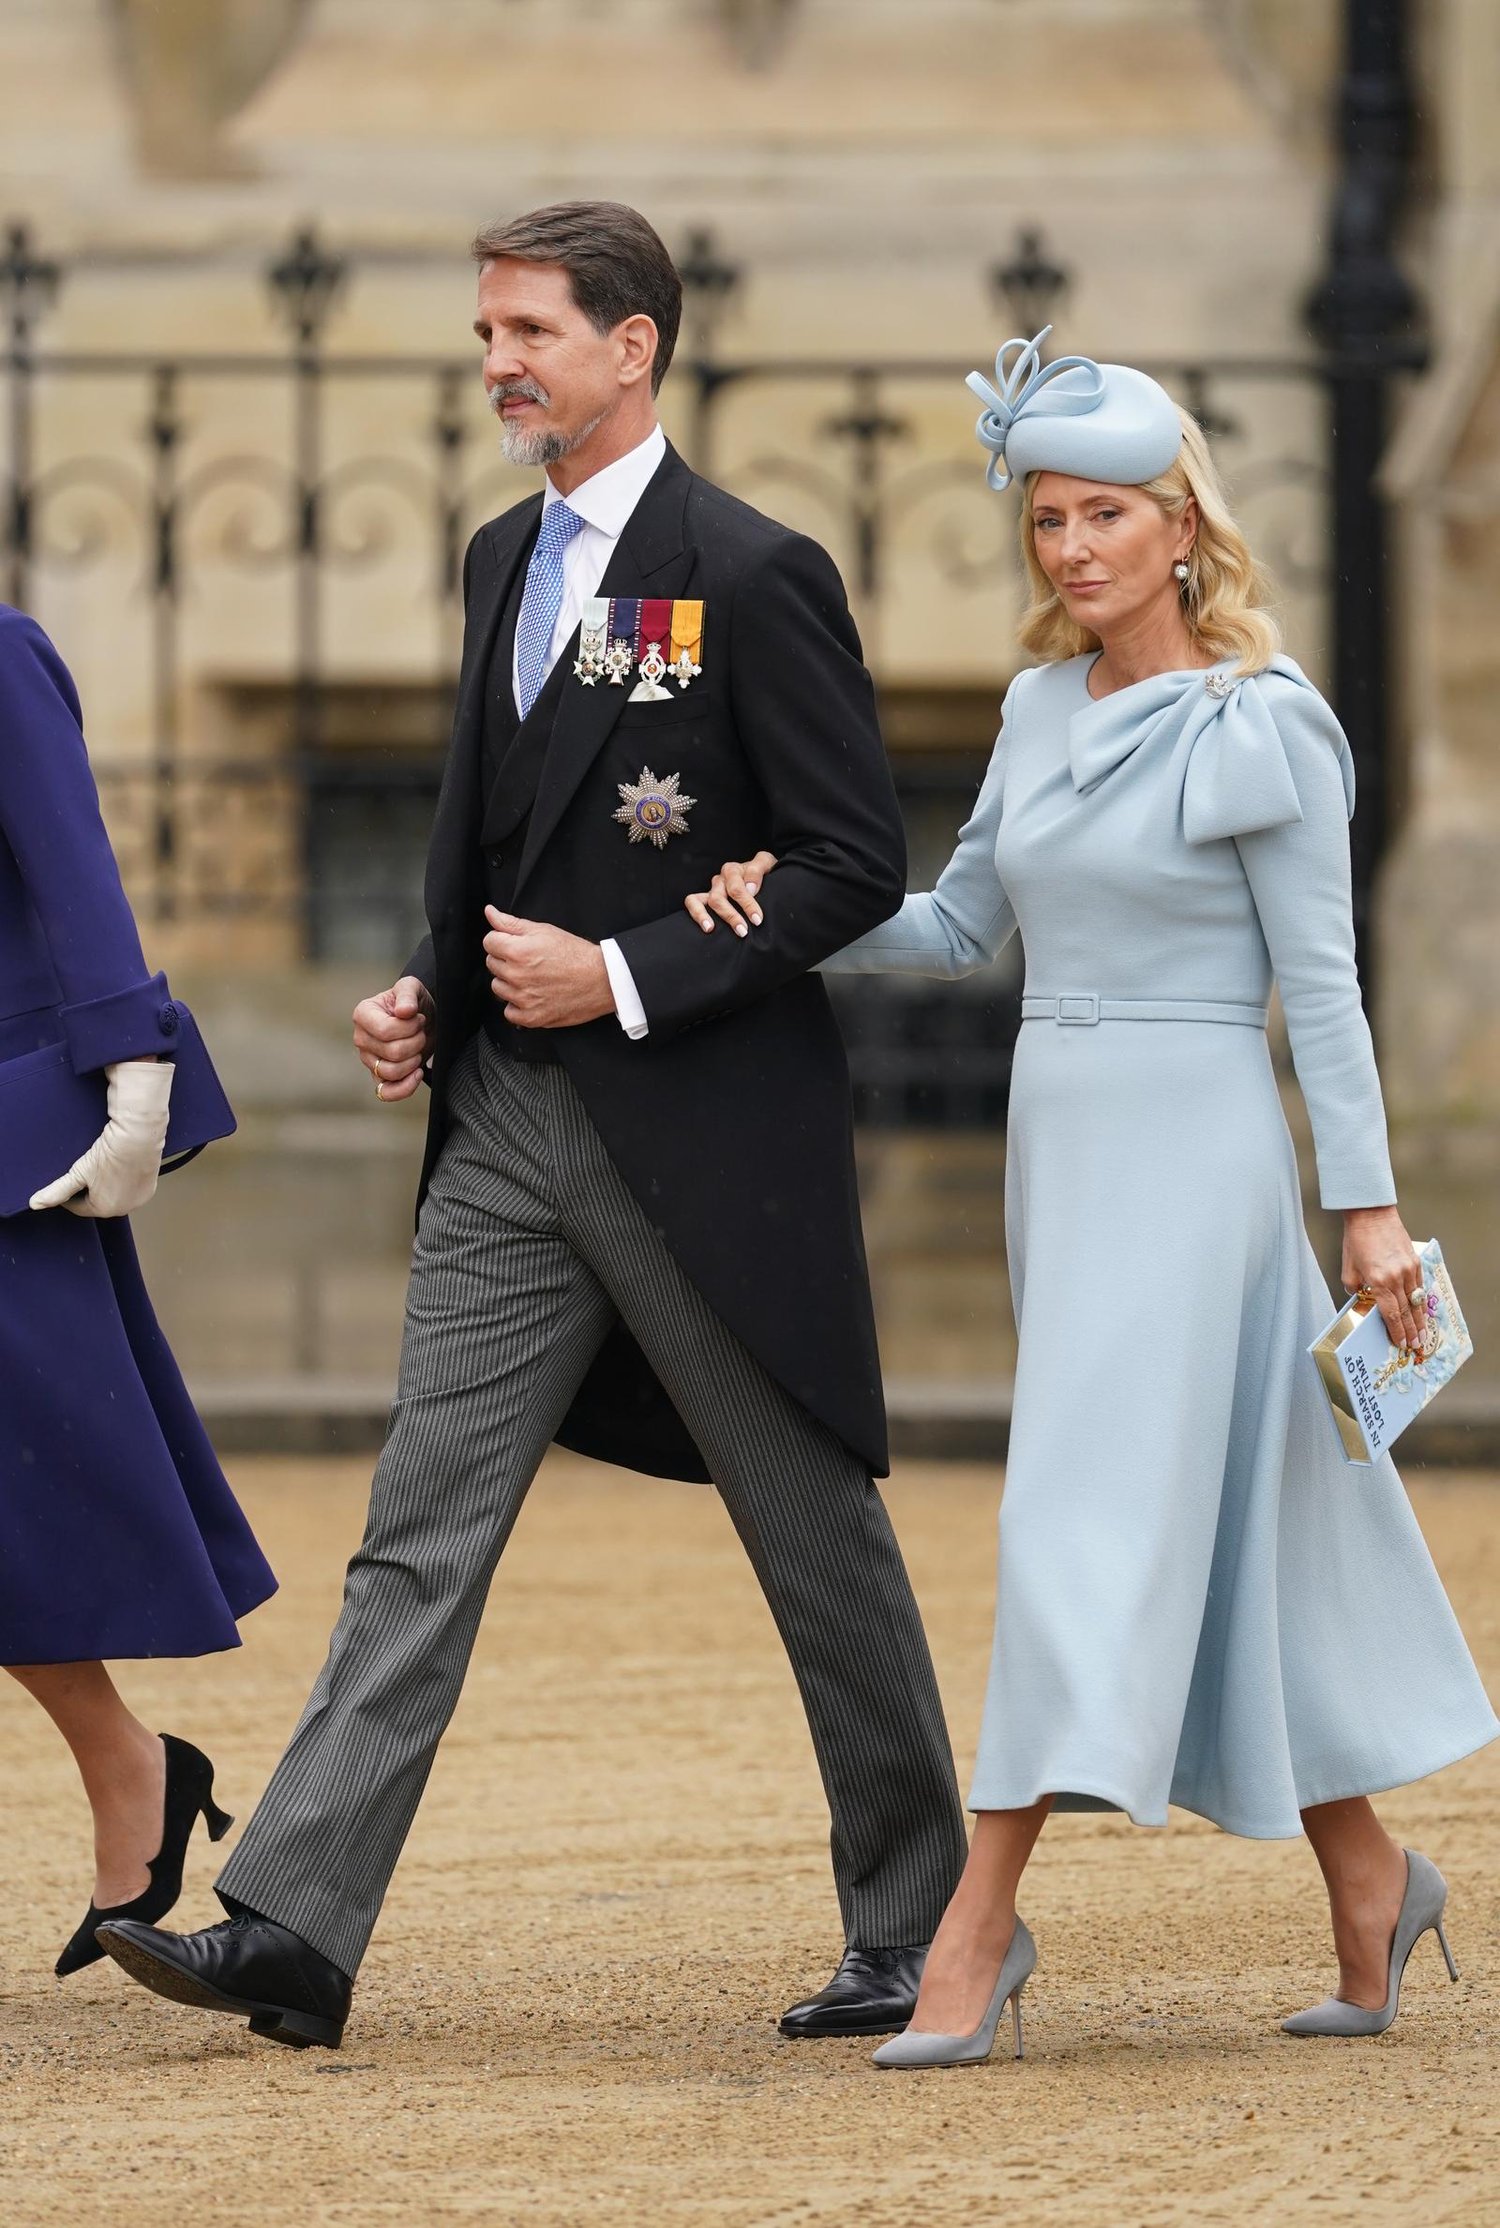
x: 536, y: 450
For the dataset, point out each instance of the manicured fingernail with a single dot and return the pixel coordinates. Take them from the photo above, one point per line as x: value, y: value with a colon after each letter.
x: 740, y: 929
x: 756, y: 918
x: 751, y: 888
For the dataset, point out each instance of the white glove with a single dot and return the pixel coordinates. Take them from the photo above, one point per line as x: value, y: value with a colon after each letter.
x: 119, y: 1171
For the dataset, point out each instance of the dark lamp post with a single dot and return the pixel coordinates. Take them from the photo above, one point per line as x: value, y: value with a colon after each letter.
x: 304, y: 283
x: 1030, y: 287
x: 28, y: 284
x: 303, y: 286
x: 708, y: 281
x: 1368, y: 320
x: 28, y: 288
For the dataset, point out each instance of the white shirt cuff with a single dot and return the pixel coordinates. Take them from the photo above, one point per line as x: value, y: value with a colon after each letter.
x: 627, y: 998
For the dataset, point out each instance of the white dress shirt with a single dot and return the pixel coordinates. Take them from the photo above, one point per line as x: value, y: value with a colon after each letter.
x: 604, y: 503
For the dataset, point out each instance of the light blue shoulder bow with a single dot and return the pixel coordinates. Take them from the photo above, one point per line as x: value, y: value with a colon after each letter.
x: 1019, y: 387
x: 1239, y: 740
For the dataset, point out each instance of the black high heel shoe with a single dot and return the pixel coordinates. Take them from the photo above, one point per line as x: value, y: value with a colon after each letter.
x: 190, y: 1791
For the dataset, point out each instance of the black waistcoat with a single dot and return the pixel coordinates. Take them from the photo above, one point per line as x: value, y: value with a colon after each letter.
x: 513, y: 751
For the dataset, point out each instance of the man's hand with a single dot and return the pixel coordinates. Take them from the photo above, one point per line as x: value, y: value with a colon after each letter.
x: 393, y: 1036
x: 545, y: 978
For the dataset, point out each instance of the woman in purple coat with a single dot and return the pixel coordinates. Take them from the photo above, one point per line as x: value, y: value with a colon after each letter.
x: 118, y: 1533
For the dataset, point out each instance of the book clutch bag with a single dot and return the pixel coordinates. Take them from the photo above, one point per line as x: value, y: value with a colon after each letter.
x: 1374, y: 1391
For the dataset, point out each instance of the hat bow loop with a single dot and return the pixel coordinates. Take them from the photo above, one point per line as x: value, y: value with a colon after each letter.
x: 1021, y: 385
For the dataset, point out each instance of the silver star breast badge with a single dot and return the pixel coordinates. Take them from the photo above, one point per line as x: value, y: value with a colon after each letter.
x: 653, y: 810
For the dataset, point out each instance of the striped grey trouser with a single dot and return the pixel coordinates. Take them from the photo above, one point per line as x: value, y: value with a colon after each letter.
x: 529, y: 1247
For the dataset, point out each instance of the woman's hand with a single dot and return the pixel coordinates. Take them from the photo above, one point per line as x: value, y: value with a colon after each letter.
x: 118, y: 1172
x: 1380, y: 1258
x: 733, y: 894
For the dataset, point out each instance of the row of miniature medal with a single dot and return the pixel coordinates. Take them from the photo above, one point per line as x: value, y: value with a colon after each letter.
x: 654, y: 636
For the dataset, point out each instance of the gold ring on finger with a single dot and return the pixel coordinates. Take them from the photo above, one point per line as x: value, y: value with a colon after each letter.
x: 379, y: 1090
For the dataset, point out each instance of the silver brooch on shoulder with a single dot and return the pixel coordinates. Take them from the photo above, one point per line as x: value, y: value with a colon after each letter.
x: 1220, y: 685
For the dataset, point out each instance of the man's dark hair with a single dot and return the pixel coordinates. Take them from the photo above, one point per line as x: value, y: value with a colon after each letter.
x: 618, y: 265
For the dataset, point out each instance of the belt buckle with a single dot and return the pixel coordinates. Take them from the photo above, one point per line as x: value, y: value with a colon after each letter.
x: 1080, y: 1010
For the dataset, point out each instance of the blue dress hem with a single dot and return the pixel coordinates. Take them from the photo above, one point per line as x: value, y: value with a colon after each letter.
x: 1097, y: 1794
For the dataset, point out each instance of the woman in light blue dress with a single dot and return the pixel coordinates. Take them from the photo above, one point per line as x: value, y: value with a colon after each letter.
x: 1199, y: 1601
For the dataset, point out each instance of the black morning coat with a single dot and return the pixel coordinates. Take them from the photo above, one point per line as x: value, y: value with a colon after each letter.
x: 731, y: 1120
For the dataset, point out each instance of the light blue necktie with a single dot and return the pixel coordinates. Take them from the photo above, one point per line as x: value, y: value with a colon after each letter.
x: 542, y: 601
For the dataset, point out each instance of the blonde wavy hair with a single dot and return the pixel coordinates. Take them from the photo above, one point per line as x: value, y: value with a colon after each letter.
x: 1225, y: 598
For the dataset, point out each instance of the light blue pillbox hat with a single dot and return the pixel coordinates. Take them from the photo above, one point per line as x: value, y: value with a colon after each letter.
x: 1092, y: 421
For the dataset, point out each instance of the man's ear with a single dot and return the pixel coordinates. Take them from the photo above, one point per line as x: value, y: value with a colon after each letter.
x: 637, y: 338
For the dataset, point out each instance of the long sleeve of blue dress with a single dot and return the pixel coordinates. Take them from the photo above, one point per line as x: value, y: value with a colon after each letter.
x: 962, y: 924
x: 1299, y: 877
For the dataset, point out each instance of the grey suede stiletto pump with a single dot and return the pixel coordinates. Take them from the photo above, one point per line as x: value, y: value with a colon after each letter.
x: 915, y: 2050
x: 1421, y: 1911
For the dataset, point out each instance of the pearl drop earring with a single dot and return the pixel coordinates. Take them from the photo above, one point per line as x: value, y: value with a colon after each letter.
x: 1182, y: 570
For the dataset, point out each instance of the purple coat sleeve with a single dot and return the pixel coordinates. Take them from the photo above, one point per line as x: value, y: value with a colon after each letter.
x: 111, y: 1008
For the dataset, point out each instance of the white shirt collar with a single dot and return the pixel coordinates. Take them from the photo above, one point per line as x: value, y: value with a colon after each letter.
x: 607, y: 500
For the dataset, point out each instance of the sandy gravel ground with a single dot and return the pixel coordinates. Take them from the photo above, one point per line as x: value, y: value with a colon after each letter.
x: 619, y: 1878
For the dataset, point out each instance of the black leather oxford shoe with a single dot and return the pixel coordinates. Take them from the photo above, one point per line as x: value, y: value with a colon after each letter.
x: 288, y: 1990
x: 874, y: 1992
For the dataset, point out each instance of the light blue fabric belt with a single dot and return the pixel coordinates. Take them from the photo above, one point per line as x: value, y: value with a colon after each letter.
x: 1084, y: 1008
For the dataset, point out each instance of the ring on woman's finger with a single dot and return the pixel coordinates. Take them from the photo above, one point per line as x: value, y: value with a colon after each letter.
x: 379, y: 1090
x: 376, y: 1071
x: 1417, y: 1297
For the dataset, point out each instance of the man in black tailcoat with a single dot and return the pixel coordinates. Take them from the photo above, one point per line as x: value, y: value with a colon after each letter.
x: 639, y: 1229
